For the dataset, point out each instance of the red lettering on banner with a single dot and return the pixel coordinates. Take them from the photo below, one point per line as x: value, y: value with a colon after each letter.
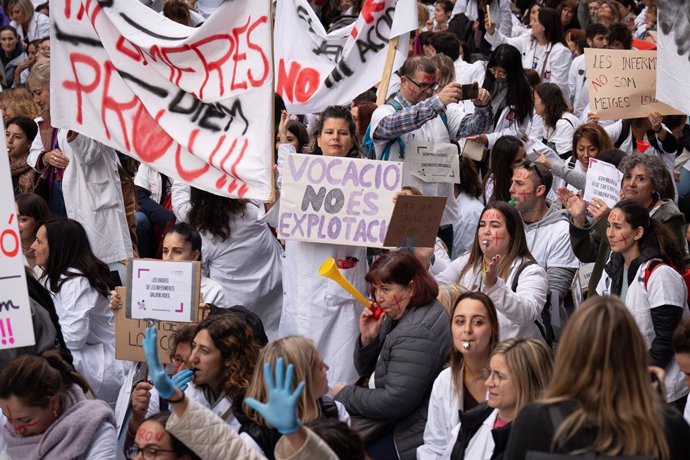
x: 227, y: 155
x: 76, y: 85
x: 149, y: 139
x: 188, y: 175
x: 237, y: 57
x: 108, y: 103
x: 369, y: 8
x: 299, y: 84
x: 134, y: 53
x: 216, y: 148
x: 256, y: 82
x: 215, y: 65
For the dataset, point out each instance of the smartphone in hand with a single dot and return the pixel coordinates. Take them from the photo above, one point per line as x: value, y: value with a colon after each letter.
x: 470, y: 91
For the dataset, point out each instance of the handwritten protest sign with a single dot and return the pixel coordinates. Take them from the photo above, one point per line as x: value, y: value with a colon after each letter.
x: 434, y: 162
x: 673, y: 84
x: 315, y: 69
x: 415, y: 221
x: 192, y: 103
x: 622, y: 83
x: 604, y: 182
x: 16, y: 327
x: 129, y: 333
x: 337, y: 200
x: 163, y: 290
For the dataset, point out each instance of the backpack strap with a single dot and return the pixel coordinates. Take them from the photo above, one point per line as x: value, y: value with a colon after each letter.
x: 572, y: 162
x: 519, y: 271
x: 625, y: 132
x: 649, y: 269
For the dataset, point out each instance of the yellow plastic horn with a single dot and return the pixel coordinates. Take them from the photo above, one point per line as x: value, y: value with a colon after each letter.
x: 330, y: 270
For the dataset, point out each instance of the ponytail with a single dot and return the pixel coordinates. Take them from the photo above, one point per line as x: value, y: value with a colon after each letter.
x: 660, y: 235
x: 36, y: 379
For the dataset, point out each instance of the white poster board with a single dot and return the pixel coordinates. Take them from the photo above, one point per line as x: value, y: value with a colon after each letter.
x: 16, y: 327
x: 434, y: 162
x: 673, y: 84
x: 337, y: 200
x: 604, y: 182
x: 163, y: 290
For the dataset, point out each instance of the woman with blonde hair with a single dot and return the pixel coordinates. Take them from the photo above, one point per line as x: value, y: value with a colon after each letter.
x: 520, y: 370
x: 600, y: 398
x: 16, y: 102
x: 313, y: 404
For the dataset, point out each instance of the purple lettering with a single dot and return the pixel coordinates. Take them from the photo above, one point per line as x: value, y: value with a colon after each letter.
x: 395, y: 184
x: 348, y: 226
x: 317, y: 164
x: 312, y: 220
x: 361, y: 233
x: 329, y: 171
x: 351, y: 175
x: 353, y: 203
x: 370, y: 202
x: 297, y: 172
x: 370, y: 232
x: 334, y: 227
x: 363, y: 172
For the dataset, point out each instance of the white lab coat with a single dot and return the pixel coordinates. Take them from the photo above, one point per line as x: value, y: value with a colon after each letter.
x: 93, y: 196
x: 557, y: 65
x: 664, y: 287
x: 151, y: 180
x: 517, y: 311
x: 465, y: 229
x: 466, y: 73
x: 87, y: 325
x: 39, y: 27
x: 577, y: 77
x: 629, y: 147
x: 247, y: 264
x: 501, y: 14
x: 319, y: 308
x: 481, y: 446
x: 443, y: 416
x: 508, y: 125
x: 562, y: 135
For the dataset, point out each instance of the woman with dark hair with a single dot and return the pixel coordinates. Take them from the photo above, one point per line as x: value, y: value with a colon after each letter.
x: 468, y: 196
x: 32, y: 212
x: 462, y: 385
x: 559, y: 124
x: 507, y: 153
x: 19, y: 134
x: 80, y: 284
x: 154, y: 441
x: 501, y: 266
x: 645, y: 180
x: 361, y: 113
x: 238, y: 250
x: 601, y: 347
x: 296, y: 135
x: 588, y: 141
x: 643, y: 271
x: 511, y: 95
x: 12, y: 54
x: 543, y: 49
x: 567, y: 11
x: 315, y: 306
x: 401, y: 353
x: 49, y: 414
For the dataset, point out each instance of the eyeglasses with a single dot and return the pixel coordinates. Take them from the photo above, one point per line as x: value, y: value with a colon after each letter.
x: 149, y: 453
x: 531, y: 165
x: 496, y: 377
x: 425, y: 86
x: 498, y: 73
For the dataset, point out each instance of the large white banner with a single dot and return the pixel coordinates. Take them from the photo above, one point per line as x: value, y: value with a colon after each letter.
x: 193, y: 103
x: 16, y: 327
x: 315, y: 69
x: 673, y: 52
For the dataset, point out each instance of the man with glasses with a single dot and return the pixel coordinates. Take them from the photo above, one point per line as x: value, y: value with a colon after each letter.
x: 421, y: 111
x: 548, y: 238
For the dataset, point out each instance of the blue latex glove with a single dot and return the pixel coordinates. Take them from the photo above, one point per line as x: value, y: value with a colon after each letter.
x: 182, y: 379
x: 280, y: 411
x: 157, y: 374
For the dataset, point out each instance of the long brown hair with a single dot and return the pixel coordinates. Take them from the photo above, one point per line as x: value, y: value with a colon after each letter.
x: 601, y: 364
x: 238, y: 349
x: 456, y: 357
x: 595, y: 134
x: 518, y: 242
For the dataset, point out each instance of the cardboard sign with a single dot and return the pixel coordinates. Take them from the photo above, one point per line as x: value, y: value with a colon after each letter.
x: 415, y: 221
x: 129, y: 333
x: 192, y: 103
x: 604, y: 182
x: 434, y: 162
x: 315, y: 69
x: 473, y: 150
x: 337, y: 200
x: 163, y: 290
x: 622, y: 84
x: 16, y: 327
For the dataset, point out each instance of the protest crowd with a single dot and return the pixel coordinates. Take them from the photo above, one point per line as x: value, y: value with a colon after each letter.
x: 547, y: 318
